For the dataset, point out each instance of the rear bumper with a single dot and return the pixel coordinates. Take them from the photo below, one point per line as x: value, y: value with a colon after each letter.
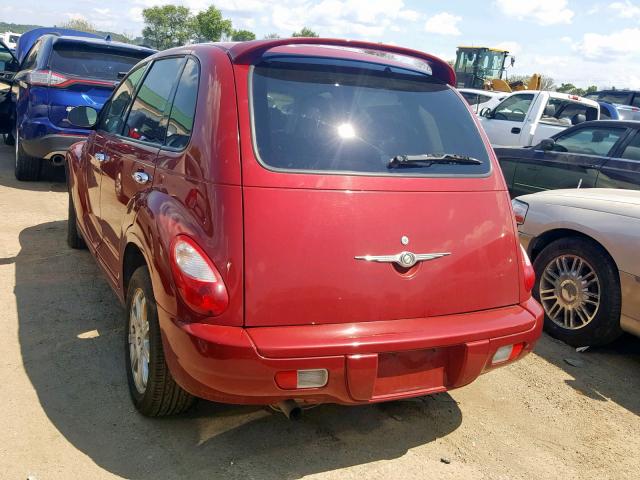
x: 367, y: 362
x: 49, y: 145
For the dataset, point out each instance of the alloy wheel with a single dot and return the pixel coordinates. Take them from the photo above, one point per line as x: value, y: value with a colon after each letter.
x: 139, y: 340
x: 570, y: 291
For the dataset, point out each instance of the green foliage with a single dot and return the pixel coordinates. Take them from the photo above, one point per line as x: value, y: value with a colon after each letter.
x: 305, y: 32
x: 271, y: 36
x: 172, y: 25
x: 571, y: 88
x: 242, y: 35
x: 210, y: 26
x: 167, y: 26
x: 79, y: 24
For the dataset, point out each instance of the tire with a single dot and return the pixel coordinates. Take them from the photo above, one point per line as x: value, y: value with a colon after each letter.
x: 27, y: 167
x: 577, y: 288
x: 9, y: 139
x: 74, y: 239
x: 160, y: 395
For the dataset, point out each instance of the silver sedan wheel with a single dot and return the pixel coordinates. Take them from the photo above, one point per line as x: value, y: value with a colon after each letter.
x: 139, y: 340
x: 570, y: 291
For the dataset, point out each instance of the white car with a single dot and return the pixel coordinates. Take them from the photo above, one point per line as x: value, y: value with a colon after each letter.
x: 584, y: 247
x: 524, y: 118
x: 481, y: 99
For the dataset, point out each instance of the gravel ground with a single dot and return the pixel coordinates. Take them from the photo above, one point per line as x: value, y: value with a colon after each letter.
x: 65, y: 411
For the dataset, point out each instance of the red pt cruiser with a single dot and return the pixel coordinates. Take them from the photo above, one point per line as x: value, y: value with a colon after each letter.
x: 299, y: 221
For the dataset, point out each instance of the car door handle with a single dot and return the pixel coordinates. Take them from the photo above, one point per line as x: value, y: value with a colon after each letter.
x: 101, y: 157
x: 140, y: 177
x: 516, y: 130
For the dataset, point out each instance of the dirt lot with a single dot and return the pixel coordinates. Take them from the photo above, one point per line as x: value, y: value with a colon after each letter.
x: 65, y: 411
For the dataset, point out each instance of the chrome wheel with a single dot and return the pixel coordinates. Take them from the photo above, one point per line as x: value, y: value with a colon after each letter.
x: 139, y: 340
x: 570, y: 291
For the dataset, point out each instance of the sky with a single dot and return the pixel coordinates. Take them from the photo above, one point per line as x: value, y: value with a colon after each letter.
x: 584, y: 42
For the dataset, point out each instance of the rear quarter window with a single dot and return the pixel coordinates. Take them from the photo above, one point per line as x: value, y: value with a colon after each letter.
x: 343, y: 116
x: 94, y: 62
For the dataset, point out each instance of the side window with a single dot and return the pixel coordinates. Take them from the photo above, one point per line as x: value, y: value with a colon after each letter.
x: 145, y: 120
x: 636, y: 100
x: 589, y: 140
x: 112, y: 118
x: 562, y: 112
x: 184, y: 107
x: 632, y: 151
x: 514, y: 108
x: 31, y: 60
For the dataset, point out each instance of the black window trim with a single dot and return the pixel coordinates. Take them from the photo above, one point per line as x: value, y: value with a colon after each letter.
x: 145, y: 67
x: 164, y: 113
x: 630, y: 136
x: 173, y: 97
x: 344, y: 173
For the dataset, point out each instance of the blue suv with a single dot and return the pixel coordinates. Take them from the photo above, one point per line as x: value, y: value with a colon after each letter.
x: 55, y: 71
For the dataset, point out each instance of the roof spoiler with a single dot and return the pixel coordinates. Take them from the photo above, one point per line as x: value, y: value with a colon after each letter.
x: 249, y: 52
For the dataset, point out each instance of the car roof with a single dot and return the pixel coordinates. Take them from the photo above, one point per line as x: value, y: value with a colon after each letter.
x: 26, y: 41
x: 489, y: 93
x: 610, y: 123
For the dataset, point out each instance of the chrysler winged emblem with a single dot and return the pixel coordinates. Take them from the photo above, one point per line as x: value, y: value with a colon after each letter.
x: 403, y: 259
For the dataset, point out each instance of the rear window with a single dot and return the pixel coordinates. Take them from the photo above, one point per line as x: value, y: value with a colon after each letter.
x: 623, y: 98
x: 313, y: 114
x: 93, y: 62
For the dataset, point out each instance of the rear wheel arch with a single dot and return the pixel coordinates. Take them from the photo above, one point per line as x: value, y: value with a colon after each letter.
x: 132, y: 259
x: 540, y: 242
x: 595, y: 327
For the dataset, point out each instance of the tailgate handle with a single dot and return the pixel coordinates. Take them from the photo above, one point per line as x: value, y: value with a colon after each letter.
x: 516, y: 130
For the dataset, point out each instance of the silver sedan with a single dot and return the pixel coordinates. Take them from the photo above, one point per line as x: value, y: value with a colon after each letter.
x: 585, y: 248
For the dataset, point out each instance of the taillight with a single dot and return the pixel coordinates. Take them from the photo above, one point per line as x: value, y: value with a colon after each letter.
x: 197, y: 278
x: 529, y: 272
x: 46, y: 78
x: 520, y: 210
x: 49, y: 78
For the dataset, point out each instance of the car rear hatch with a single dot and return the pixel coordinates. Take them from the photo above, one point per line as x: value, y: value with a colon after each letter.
x: 83, y: 73
x: 332, y: 230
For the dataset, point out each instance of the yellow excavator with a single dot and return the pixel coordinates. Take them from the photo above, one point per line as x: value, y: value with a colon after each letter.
x: 483, y: 68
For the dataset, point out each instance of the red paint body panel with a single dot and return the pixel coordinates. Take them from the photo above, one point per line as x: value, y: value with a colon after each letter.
x: 229, y: 364
x: 285, y: 243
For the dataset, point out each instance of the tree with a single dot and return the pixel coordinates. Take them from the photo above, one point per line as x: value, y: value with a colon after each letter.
x: 305, y: 32
x: 591, y: 89
x: 209, y: 25
x: 547, y: 83
x: 271, y: 36
x: 242, y: 35
x: 567, y: 88
x: 167, y: 26
x: 79, y: 24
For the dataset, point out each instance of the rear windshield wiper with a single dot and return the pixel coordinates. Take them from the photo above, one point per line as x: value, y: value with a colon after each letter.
x: 429, y: 159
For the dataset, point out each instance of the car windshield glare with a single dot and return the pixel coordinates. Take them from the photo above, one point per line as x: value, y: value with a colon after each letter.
x: 330, y: 115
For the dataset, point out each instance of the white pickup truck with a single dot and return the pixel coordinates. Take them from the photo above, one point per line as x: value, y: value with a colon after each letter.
x: 526, y: 117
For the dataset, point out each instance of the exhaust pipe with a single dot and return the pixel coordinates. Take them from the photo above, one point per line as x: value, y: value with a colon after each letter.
x: 291, y: 409
x: 57, y: 160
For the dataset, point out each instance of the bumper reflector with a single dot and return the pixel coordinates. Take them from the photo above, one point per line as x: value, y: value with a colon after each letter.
x: 295, y: 379
x: 507, y: 353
